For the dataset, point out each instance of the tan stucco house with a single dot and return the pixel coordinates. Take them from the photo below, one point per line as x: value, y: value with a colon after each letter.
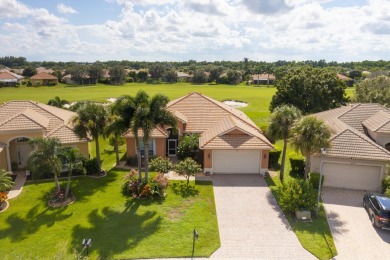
x: 43, y: 79
x: 22, y: 120
x: 229, y: 141
x: 360, y: 144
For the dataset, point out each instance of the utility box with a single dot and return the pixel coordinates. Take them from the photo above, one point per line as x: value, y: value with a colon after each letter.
x: 303, y: 214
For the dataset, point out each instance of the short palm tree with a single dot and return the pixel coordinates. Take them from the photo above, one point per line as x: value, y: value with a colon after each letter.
x: 282, y: 120
x: 308, y: 136
x: 5, y: 180
x: 90, y: 121
x: 57, y: 102
x: 46, y: 156
x: 73, y: 160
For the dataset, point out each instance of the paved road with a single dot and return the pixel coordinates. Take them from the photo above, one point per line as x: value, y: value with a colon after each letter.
x: 354, y: 236
x: 251, y: 224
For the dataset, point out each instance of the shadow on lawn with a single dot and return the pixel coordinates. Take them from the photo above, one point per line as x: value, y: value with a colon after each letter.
x: 19, y: 228
x: 183, y: 190
x: 114, y: 232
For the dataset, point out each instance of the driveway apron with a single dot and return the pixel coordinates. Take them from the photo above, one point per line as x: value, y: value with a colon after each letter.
x: 353, y: 234
x: 251, y: 224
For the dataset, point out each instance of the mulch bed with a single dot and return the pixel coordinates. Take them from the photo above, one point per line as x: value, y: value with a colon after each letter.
x: 58, y: 204
x: 4, y: 206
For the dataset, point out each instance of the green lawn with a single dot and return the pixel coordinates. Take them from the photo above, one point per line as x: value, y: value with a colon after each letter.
x: 122, y: 228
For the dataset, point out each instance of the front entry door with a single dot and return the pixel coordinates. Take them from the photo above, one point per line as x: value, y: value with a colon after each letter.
x: 172, y: 147
x: 23, y: 152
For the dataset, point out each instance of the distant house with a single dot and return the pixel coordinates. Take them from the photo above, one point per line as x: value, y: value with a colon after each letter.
x: 184, y: 77
x: 9, y: 79
x: 67, y: 79
x: 43, y: 69
x: 43, y: 79
x: 348, y: 81
x: 22, y: 120
x: 263, y: 79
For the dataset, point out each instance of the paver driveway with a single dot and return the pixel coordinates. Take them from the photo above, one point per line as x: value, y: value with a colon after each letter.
x: 353, y: 234
x: 251, y: 224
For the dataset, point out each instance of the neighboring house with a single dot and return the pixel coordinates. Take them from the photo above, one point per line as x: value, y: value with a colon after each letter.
x: 9, y: 79
x: 22, y: 120
x: 67, y: 79
x: 263, y: 79
x: 43, y: 79
x: 348, y: 81
x: 360, y: 144
x: 43, y: 69
x: 184, y: 77
x: 229, y: 141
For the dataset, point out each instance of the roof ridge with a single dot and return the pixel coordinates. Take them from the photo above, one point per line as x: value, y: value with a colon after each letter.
x: 55, y: 129
x: 29, y: 109
x: 386, y: 122
x: 353, y: 107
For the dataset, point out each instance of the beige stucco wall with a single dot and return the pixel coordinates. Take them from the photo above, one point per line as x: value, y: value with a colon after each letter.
x: 264, y: 159
x: 160, y: 147
x: 83, y: 148
x: 130, y: 147
x: 6, y: 137
x: 3, y: 160
x: 207, y: 159
x: 380, y: 138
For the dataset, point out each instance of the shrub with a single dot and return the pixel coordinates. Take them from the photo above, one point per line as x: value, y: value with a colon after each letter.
x: 188, y: 147
x: 29, y: 84
x: 297, y: 195
x: 14, y: 166
x: 387, y: 192
x: 273, y: 158
x: 142, y: 189
x: 297, y: 164
x: 386, y: 183
x: 3, y: 197
x: 187, y: 168
x: 129, y: 79
x: 131, y: 160
x: 315, y: 178
x: 91, y: 166
x: 161, y: 165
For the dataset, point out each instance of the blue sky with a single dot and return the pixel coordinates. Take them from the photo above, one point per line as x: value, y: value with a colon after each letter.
x: 177, y: 30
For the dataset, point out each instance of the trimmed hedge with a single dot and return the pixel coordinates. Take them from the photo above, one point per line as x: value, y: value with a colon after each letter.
x: 315, y: 178
x: 297, y: 164
x: 274, y: 156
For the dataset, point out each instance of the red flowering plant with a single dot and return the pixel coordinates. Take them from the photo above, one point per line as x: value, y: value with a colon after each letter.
x: 3, y: 197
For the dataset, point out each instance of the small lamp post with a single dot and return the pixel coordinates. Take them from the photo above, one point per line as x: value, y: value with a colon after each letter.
x: 323, y: 152
x: 87, y: 243
x: 194, y: 237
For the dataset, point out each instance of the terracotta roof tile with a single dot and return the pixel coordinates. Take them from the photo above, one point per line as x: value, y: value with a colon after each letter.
x: 156, y: 133
x: 43, y: 75
x: 379, y: 122
x: 236, y: 142
x: 66, y: 135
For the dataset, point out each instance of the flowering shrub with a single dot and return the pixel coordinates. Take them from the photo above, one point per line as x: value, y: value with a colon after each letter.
x: 3, y: 197
x: 55, y: 195
x: 141, y: 189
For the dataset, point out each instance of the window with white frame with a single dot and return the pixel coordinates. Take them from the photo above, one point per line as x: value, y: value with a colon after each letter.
x: 152, y: 150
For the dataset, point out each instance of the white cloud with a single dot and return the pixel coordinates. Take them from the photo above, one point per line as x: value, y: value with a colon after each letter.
x: 63, y: 9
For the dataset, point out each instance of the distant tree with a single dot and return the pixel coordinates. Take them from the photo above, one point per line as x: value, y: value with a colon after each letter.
x: 234, y: 77
x: 308, y: 136
x: 57, y: 74
x: 199, y: 77
x: 187, y: 168
x: 375, y: 90
x: 79, y: 73
x: 310, y: 90
x: 133, y: 74
x: 13, y: 62
x: 355, y: 74
x: 117, y: 74
x: 90, y: 121
x: 29, y: 72
x: 57, y: 102
x: 282, y: 120
x: 157, y: 71
x: 171, y: 76
x: 95, y: 72
x: 215, y: 73
x: 142, y: 76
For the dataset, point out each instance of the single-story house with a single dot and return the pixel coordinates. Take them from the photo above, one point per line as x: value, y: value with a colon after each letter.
x: 22, y: 120
x: 8, y: 78
x: 67, y: 79
x: 43, y: 79
x: 229, y: 140
x: 43, y: 69
x: 348, y: 81
x: 360, y: 144
x: 184, y: 77
x: 263, y: 79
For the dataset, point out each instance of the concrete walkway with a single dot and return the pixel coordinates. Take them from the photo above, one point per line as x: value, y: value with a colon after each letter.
x: 18, y: 185
x: 251, y: 224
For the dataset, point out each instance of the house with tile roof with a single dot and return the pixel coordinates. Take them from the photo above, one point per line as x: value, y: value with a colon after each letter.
x: 22, y: 120
x: 360, y: 145
x: 263, y: 79
x: 8, y: 78
x: 43, y: 79
x: 229, y: 140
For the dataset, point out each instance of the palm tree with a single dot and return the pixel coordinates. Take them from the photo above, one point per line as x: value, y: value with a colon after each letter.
x: 309, y: 135
x: 153, y: 116
x: 57, y: 102
x: 46, y: 156
x: 73, y: 161
x: 282, y: 120
x: 90, y: 120
x: 116, y: 126
x: 5, y: 180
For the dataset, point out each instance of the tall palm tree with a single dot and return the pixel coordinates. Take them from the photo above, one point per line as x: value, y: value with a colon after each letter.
x: 73, y: 160
x: 5, y: 180
x: 309, y: 135
x: 116, y: 126
x: 46, y: 156
x: 90, y: 120
x: 155, y: 115
x: 57, y: 102
x: 282, y: 120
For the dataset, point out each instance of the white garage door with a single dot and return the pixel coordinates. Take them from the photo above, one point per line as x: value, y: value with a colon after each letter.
x: 352, y: 176
x: 232, y: 161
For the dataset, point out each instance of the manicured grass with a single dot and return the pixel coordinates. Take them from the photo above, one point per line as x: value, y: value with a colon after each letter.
x: 118, y: 226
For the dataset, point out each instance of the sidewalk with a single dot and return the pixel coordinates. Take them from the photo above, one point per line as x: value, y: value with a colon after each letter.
x: 18, y: 185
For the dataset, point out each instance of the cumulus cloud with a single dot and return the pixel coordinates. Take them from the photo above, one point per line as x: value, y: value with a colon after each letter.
x: 64, y: 9
x: 266, y: 7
